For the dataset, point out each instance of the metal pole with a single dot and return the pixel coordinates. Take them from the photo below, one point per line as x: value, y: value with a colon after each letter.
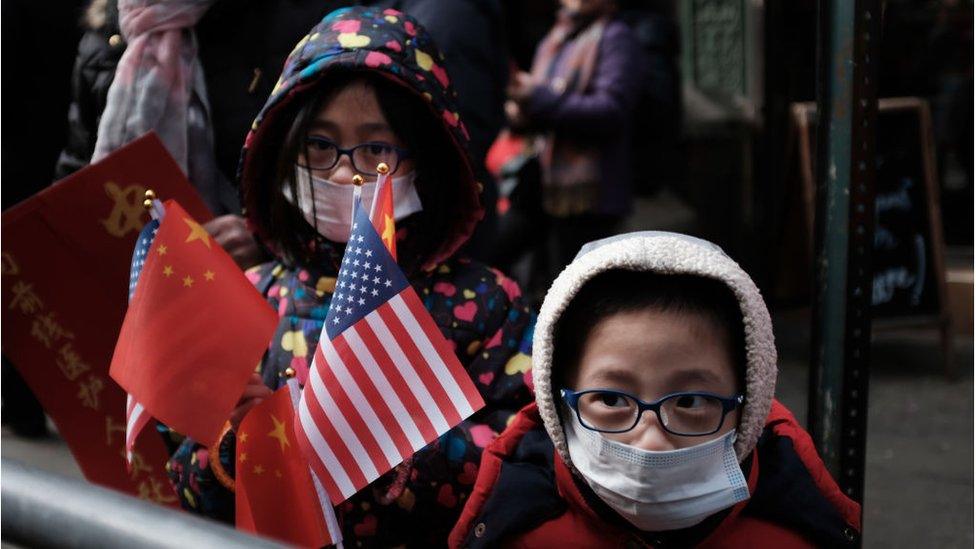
x: 41, y: 509
x: 847, y: 110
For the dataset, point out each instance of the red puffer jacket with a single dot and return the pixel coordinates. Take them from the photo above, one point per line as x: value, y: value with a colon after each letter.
x: 525, y: 496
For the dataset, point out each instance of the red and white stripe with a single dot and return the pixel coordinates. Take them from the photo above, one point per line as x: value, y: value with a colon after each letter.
x: 383, y: 389
x: 136, y: 418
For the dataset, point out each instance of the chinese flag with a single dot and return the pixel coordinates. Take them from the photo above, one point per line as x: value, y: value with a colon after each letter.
x: 273, y: 487
x: 195, y: 330
x: 382, y: 214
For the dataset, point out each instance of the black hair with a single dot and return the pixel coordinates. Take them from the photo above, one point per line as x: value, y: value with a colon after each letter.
x: 623, y: 291
x: 438, y: 167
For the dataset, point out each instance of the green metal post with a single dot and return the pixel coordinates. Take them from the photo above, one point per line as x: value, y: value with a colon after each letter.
x: 847, y: 112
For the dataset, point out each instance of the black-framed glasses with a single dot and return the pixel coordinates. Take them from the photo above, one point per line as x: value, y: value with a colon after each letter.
x: 690, y: 414
x: 322, y: 154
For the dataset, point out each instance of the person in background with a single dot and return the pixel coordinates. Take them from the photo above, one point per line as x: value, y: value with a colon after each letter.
x: 366, y: 85
x: 654, y: 423
x: 578, y: 100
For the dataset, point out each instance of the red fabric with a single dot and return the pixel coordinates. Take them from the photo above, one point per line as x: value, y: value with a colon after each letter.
x: 382, y: 214
x: 581, y: 527
x: 66, y: 261
x: 195, y: 330
x: 274, y: 491
x: 506, y: 147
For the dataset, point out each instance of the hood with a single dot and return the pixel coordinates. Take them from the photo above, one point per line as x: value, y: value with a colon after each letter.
x: 384, y: 41
x: 663, y: 253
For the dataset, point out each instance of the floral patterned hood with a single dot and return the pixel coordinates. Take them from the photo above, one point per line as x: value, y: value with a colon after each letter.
x: 363, y: 39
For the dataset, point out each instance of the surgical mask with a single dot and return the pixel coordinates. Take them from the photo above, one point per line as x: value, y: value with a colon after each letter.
x: 332, y: 212
x: 658, y: 491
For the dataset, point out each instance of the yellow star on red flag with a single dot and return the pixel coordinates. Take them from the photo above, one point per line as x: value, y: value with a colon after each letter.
x: 197, y: 232
x: 388, y: 233
x: 279, y: 432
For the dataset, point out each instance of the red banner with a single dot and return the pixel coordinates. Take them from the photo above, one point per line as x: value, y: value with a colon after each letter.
x: 66, y: 256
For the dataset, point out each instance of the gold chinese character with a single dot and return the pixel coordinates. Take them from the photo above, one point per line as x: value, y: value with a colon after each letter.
x: 88, y: 391
x: 70, y: 363
x: 112, y: 427
x: 25, y: 299
x: 152, y: 490
x: 48, y: 331
x: 8, y: 265
x: 127, y: 209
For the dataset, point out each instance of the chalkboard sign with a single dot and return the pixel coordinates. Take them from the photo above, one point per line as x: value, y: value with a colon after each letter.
x: 908, y: 256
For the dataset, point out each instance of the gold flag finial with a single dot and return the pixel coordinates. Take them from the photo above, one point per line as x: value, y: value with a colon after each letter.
x: 382, y: 168
x: 147, y: 203
x: 357, y: 180
x: 150, y: 194
x: 289, y: 372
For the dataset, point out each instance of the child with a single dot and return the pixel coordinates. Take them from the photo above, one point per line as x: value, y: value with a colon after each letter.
x: 367, y: 85
x: 654, y: 422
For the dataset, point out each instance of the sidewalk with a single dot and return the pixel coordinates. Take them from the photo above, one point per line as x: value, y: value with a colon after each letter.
x: 919, y: 480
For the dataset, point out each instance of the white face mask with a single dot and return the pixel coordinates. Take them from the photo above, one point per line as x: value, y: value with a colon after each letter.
x: 332, y: 212
x: 658, y: 491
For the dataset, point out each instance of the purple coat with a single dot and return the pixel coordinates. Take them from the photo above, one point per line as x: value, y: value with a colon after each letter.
x: 602, y: 114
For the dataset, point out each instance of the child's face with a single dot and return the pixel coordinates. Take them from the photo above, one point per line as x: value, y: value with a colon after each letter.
x: 653, y: 353
x: 353, y: 117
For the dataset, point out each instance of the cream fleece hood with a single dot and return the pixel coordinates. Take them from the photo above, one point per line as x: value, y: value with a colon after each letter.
x: 663, y: 253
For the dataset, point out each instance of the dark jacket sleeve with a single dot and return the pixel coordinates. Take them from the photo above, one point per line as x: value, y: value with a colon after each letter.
x: 608, y: 101
x: 191, y: 473
x: 91, y: 77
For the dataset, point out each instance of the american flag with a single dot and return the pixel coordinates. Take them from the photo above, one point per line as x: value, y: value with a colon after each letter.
x: 135, y: 416
x: 384, y: 382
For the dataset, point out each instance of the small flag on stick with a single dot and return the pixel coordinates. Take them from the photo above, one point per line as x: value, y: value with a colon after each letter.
x: 274, y: 491
x: 135, y: 417
x: 381, y: 213
x: 384, y: 382
x: 195, y: 330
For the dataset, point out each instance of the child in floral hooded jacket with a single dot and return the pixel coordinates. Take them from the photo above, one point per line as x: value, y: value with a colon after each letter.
x: 367, y: 85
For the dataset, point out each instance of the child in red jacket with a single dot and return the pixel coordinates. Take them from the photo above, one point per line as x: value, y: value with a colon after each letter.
x: 654, y: 422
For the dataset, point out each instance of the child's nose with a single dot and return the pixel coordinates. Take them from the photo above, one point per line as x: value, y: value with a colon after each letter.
x: 343, y: 172
x: 649, y: 434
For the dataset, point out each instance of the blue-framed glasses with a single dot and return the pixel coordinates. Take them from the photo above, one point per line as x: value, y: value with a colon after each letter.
x: 322, y: 154
x: 689, y: 414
